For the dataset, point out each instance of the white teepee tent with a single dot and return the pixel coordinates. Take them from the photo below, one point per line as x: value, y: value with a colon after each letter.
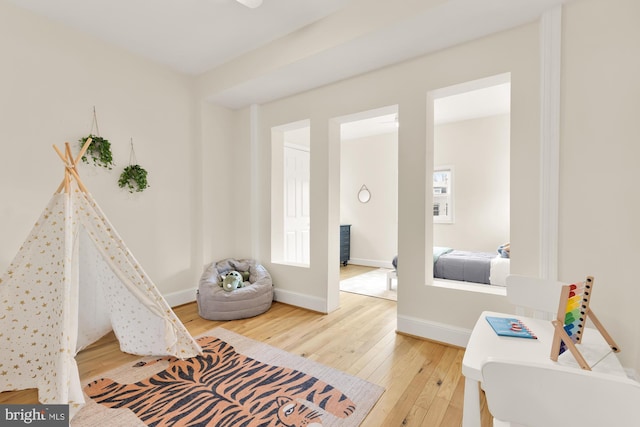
x: 72, y: 281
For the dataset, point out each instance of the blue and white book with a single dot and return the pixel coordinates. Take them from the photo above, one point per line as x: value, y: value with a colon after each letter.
x: 510, y: 327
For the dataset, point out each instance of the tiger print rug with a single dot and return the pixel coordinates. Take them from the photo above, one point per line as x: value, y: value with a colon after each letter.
x: 235, y: 382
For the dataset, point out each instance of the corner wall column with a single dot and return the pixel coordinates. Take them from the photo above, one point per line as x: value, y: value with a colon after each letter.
x: 550, y: 81
x: 254, y: 124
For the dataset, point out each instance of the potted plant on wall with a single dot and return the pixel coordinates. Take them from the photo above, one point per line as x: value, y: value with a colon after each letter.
x: 100, y: 149
x: 134, y: 176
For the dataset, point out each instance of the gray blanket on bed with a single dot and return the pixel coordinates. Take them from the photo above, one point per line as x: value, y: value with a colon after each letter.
x: 464, y: 266
x: 438, y: 251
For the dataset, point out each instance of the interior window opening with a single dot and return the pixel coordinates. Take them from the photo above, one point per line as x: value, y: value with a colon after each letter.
x: 290, y: 194
x: 470, y: 185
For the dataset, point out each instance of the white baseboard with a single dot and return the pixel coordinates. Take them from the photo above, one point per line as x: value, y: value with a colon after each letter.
x: 175, y: 299
x: 301, y: 300
x: 435, y: 331
x: 370, y: 263
x: 632, y: 373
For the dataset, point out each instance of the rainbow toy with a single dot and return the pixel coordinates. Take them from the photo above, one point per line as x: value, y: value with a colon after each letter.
x: 573, y: 312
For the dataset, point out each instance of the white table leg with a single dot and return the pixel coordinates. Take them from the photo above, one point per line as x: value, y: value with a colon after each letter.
x: 390, y: 276
x: 471, y: 409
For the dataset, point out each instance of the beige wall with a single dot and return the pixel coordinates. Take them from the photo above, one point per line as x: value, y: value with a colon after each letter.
x: 478, y: 151
x: 599, y: 173
x: 220, y: 200
x: 407, y: 85
x: 370, y: 161
x: 50, y: 80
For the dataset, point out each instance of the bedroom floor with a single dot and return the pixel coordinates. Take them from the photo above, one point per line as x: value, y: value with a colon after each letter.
x: 362, y: 280
x: 423, y: 380
x: 351, y: 270
x: 369, y: 281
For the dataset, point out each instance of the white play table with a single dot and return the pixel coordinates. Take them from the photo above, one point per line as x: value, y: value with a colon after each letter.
x: 485, y: 344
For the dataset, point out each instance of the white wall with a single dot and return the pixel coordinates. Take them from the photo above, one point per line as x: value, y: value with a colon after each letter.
x: 220, y: 199
x: 422, y: 310
x: 370, y: 161
x: 478, y: 151
x: 50, y: 80
x: 599, y: 161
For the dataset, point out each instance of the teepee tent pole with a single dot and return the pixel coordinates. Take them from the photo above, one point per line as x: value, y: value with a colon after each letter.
x: 70, y: 166
x: 67, y: 151
x: 61, y: 186
x: 65, y: 181
x: 85, y: 147
x: 78, y: 180
x: 62, y: 156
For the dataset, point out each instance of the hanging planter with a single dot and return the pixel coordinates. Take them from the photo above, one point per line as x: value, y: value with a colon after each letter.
x: 100, y: 149
x: 134, y: 176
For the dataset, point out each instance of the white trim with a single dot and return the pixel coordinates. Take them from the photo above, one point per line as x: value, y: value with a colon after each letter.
x: 470, y: 287
x: 470, y: 85
x: 632, y: 373
x: 449, y: 219
x: 370, y: 263
x: 304, y: 123
x: 435, y: 331
x: 175, y: 299
x: 300, y: 300
x: 550, y: 81
x: 368, y: 114
x: 432, y: 95
x: 254, y: 123
x: 297, y: 147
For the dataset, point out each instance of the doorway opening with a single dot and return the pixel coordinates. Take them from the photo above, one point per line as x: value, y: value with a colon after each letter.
x: 369, y: 200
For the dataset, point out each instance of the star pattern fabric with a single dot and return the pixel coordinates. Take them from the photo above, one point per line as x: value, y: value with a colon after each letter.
x: 72, y: 281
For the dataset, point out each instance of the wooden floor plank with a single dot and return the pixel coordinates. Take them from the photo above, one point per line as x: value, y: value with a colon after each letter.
x: 403, y: 413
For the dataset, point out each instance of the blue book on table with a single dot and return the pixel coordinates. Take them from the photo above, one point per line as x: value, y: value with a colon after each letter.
x: 510, y: 327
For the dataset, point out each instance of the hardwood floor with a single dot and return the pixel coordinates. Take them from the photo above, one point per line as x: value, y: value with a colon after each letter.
x: 422, y: 379
x: 351, y: 270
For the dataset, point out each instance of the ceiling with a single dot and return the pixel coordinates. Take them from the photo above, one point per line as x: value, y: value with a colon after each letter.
x: 465, y: 102
x: 198, y: 37
x: 191, y: 36
x: 472, y: 104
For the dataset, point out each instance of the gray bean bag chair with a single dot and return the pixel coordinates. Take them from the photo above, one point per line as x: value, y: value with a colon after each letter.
x: 255, y: 297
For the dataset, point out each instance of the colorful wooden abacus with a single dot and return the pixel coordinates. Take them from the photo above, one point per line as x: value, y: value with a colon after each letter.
x: 573, y: 312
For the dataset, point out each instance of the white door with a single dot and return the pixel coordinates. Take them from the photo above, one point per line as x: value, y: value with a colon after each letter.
x: 296, y: 205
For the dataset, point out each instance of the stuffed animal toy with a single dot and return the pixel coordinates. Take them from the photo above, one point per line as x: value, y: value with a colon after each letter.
x: 245, y: 276
x: 232, y: 281
x: 505, y: 250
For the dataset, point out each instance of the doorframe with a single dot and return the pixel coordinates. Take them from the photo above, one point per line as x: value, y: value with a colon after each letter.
x: 335, y: 124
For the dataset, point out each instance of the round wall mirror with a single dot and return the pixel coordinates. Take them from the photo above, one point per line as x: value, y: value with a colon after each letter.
x: 363, y: 195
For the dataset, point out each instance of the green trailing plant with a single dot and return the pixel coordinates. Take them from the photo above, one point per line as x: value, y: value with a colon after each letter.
x: 134, y: 178
x: 99, y: 151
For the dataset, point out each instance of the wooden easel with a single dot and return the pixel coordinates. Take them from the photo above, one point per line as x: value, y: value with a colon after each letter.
x: 71, y: 164
x: 573, y: 312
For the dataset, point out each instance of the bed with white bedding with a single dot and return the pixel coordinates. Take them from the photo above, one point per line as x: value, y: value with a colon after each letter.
x: 468, y: 266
